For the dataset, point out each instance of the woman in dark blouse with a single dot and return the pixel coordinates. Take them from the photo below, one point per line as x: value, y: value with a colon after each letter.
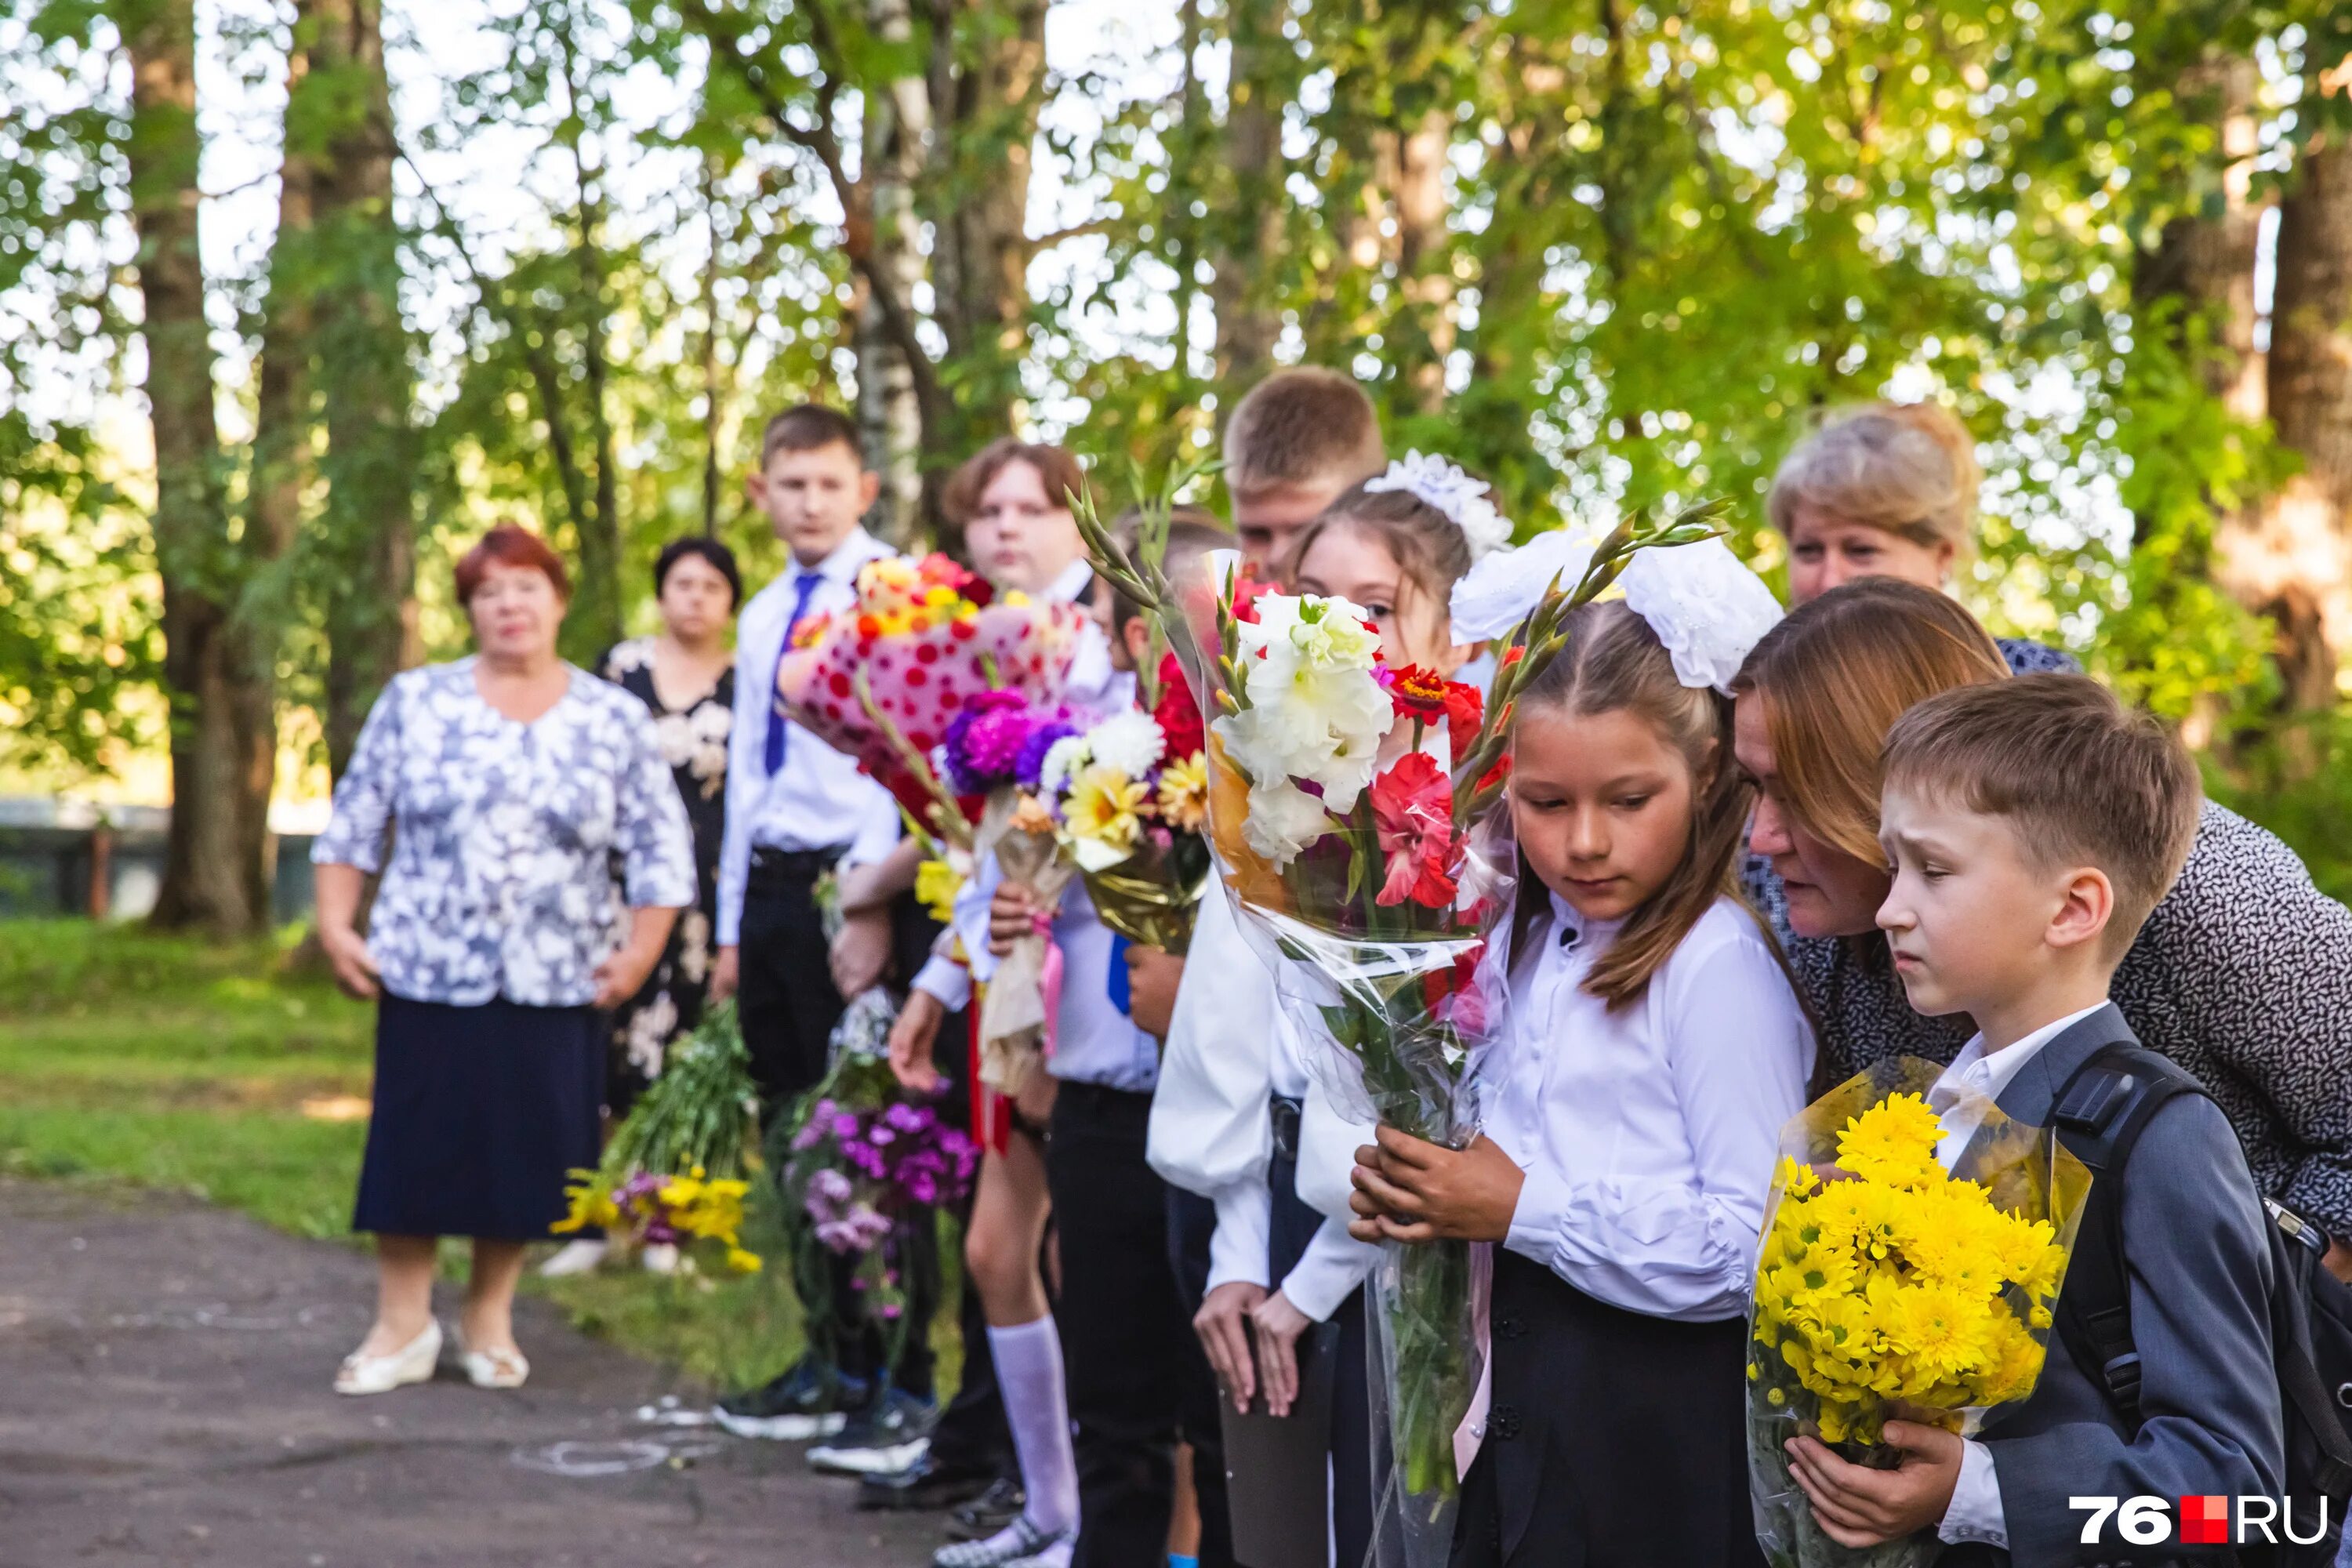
x: 685, y: 679
x: 2242, y: 973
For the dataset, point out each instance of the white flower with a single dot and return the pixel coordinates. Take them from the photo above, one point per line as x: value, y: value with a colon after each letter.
x: 1062, y: 758
x: 1316, y: 711
x: 707, y: 763
x: 675, y: 737
x: 1706, y: 606
x: 649, y: 1032
x: 1453, y: 490
x: 1496, y: 595
x: 635, y: 654
x: 693, y: 945
x: 1283, y: 820
x: 713, y: 721
x: 1130, y: 742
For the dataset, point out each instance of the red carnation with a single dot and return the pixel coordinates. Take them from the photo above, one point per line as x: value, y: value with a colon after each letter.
x: 1178, y: 716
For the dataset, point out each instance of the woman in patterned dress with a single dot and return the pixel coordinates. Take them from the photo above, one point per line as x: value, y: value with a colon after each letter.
x: 685, y: 679
x: 1888, y: 489
x: 515, y: 790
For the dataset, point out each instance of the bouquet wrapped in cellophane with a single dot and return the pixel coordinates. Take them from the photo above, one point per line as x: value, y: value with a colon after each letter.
x: 1889, y: 1288
x: 859, y: 1165
x: 1349, y: 815
x: 1132, y: 798
x: 936, y: 686
x: 675, y: 1171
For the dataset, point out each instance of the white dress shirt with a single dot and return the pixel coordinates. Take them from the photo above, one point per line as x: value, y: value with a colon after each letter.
x: 818, y: 799
x: 1230, y: 1049
x: 1974, y: 1081
x: 1648, y: 1132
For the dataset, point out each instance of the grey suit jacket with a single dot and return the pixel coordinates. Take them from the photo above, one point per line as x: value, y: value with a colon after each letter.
x: 2200, y: 1272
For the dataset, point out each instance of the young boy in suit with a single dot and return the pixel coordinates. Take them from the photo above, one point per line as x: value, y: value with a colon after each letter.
x: 2031, y: 825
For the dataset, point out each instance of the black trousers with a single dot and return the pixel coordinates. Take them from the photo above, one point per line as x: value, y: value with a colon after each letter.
x: 1615, y: 1440
x: 1354, y: 1490
x: 785, y: 994
x: 1125, y: 1334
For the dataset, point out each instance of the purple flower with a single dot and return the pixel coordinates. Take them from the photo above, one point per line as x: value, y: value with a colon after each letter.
x: 984, y: 741
x: 831, y: 1185
x: 1032, y: 759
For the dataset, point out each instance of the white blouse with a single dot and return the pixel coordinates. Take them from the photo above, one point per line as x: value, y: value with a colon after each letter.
x: 1230, y: 1050
x: 1649, y: 1134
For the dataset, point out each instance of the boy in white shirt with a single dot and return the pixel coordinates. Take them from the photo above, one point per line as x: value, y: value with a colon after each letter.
x: 2030, y: 826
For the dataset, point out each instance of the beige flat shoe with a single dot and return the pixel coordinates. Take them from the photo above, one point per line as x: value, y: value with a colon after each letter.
x: 413, y: 1362
x: 493, y: 1369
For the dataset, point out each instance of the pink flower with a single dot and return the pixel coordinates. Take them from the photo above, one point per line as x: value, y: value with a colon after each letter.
x: 1412, y: 809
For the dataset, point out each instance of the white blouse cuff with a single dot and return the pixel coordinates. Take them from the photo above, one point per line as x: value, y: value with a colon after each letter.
x: 1241, y: 1247
x: 945, y: 980
x: 1333, y: 1265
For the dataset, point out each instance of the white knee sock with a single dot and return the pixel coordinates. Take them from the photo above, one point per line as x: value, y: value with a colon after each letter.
x: 1028, y: 1360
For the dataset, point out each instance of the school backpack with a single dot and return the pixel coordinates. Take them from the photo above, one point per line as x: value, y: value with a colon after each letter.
x: 2101, y: 1113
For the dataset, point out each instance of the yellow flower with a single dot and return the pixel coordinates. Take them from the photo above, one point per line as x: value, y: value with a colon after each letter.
x: 936, y: 884
x: 590, y: 1205
x: 1893, y: 1142
x: 742, y: 1262
x: 1099, y: 814
x: 1184, y: 793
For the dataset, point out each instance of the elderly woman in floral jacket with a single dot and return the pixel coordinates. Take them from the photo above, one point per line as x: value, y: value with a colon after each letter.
x: 512, y: 786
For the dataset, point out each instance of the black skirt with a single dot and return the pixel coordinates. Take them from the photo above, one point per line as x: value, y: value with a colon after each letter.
x: 1614, y: 1440
x: 480, y: 1115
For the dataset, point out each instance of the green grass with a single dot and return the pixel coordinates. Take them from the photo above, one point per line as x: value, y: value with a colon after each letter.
x: 164, y: 1062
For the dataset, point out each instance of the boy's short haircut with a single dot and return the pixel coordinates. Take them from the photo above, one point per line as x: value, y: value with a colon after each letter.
x: 806, y: 428
x: 1192, y: 532
x: 2084, y: 780
x: 1303, y: 426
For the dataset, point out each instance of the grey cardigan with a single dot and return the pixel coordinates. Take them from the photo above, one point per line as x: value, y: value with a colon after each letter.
x: 2243, y: 976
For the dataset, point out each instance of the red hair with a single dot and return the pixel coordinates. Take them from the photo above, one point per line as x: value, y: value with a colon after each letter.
x: 510, y: 545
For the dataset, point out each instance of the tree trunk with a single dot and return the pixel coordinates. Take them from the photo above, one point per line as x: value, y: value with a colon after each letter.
x: 224, y: 742
x: 2295, y: 566
x: 1258, y: 91
x: 593, y: 622
x: 889, y: 414
x: 710, y: 376
x: 1413, y: 168
x: 987, y: 82
x: 345, y: 120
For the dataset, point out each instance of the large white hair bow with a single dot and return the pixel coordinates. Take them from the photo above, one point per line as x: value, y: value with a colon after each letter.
x: 1702, y: 601
x: 1455, y: 491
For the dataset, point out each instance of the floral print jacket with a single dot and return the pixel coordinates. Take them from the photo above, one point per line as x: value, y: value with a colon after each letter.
x: 505, y: 837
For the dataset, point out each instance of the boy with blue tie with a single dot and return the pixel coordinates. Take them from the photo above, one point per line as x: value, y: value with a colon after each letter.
x: 797, y: 809
x: 2031, y: 825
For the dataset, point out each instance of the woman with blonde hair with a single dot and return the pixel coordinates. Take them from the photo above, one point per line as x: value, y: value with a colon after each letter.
x: 1887, y: 489
x: 2242, y: 973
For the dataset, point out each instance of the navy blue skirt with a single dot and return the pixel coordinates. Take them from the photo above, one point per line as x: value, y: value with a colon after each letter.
x: 480, y: 1115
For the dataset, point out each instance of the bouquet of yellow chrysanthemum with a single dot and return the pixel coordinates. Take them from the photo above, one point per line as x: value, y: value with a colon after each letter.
x: 1894, y: 1285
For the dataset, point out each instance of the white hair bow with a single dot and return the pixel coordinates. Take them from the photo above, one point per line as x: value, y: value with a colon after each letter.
x: 1706, y: 606
x: 1453, y: 490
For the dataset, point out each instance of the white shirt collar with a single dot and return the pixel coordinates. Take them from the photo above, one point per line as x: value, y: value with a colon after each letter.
x: 856, y: 549
x: 1976, y: 1075
x: 1071, y: 585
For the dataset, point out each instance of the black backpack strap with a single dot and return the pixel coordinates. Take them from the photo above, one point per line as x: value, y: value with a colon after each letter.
x: 2101, y: 1111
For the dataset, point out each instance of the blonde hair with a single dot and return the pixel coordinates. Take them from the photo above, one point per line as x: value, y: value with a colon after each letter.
x: 1303, y: 426
x: 2080, y: 779
x: 1614, y: 662
x: 1835, y: 675
x: 1908, y: 469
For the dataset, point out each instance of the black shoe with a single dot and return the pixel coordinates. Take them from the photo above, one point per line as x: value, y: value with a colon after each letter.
x: 803, y: 1403
x: 924, y: 1485
x: 989, y: 1513
x: 888, y: 1435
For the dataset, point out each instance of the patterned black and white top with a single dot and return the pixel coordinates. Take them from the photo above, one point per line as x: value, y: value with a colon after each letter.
x: 505, y: 836
x: 2242, y: 974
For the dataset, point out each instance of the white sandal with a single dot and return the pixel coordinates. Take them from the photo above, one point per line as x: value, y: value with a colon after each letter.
x: 412, y: 1363
x: 493, y: 1369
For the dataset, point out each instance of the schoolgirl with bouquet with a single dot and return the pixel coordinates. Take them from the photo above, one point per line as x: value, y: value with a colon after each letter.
x: 1633, y: 1101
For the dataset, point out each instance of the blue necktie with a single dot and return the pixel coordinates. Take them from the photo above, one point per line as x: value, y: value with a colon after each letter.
x: 1120, y: 997
x: 806, y: 584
